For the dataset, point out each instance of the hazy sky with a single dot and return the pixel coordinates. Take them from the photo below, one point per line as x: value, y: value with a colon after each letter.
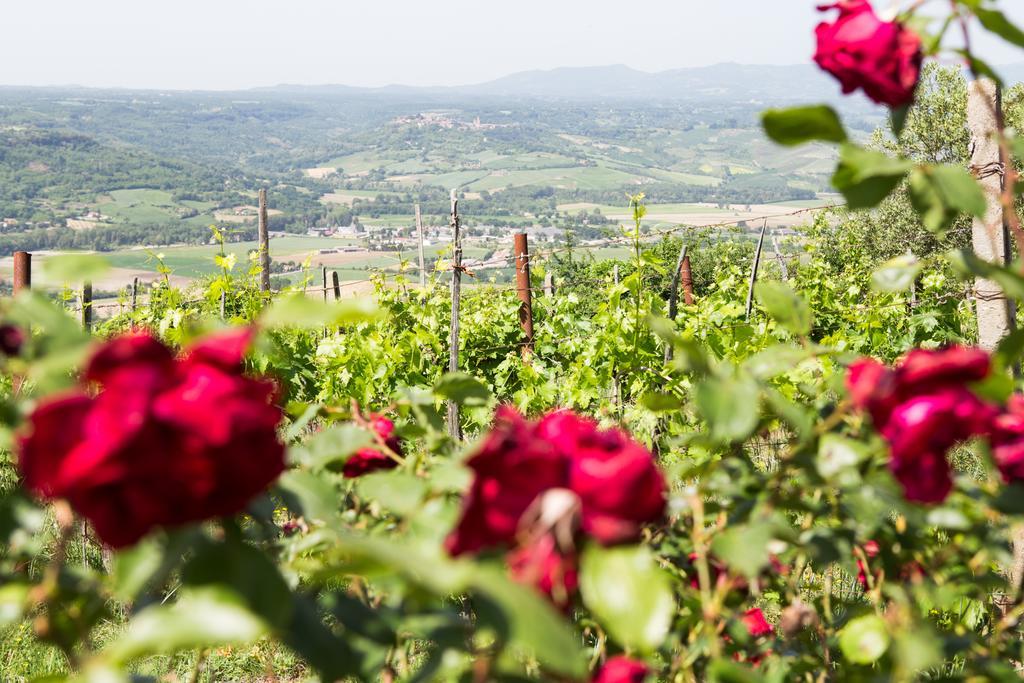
x: 220, y: 44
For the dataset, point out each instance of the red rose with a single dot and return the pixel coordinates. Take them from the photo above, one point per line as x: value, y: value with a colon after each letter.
x: 371, y: 459
x: 923, y: 408
x: 616, y: 485
x: 513, y: 466
x: 164, y: 442
x: 541, y: 564
x: 621, y: 669
x: 756, y: 624
x: 1008, y: 440
x: 12, y: 338
x: 920, y: 432
x: 883, y: 58
x: 558, y: 478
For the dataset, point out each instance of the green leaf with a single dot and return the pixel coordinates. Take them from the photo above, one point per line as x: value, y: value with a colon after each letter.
x: 658, y: 402
x: 798, y: 125
x: 864, y: 639
x: 1010, y: 281
x: 629, y: 594
x: 776, y: 360
x: 940, y: 194
x: 784, y: 305
x: 837, y: 453
x: 13, y: 602
x: 209, y: 617
x: 333, y: 657
x: 75, y: 267
x: 331, y: 447
x: 996, y: 22
x: 534, y: 624
x: 744, y: 548
x: 400, y: 492
x: 134, y: 566
x: 896, y: 275
x: 724, y: 671
x: 463, y: 389
x: 299, y: 310
x: 729, y: 406
x: 918, y: 649
x: 246, y: 571
x: 898, y: 119
x: 308, y: 495
x: 866, y: 177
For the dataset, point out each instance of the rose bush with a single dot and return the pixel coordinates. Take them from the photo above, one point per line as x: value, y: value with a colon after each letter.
x: 810, y: 513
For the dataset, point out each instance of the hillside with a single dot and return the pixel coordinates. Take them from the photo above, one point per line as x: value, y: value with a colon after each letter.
x: 519, y: 150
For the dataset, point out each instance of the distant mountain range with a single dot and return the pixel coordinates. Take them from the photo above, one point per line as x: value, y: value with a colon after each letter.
x: 719, y: 82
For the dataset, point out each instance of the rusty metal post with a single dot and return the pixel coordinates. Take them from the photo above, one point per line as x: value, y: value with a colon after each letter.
x: 336, y: 281
x: 264, y: 236
x: 686, y: 277
x: 522, y: 254
x: 22, y: 271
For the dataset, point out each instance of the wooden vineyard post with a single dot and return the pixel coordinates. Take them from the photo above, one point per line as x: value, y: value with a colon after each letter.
x: 753, y: 269
x: 783, y: 268
x: 673, y: 295
x: 419, y: 236
x: 615, y: 273
x: 86, y: 297
x: 522, y: 253
x: 22, y: 271
x: 264, y: 245
x: 223, y: 303
x: 337, y: 285
x: 135, y: 293
x: 454, y: 428
x: 549, y: 285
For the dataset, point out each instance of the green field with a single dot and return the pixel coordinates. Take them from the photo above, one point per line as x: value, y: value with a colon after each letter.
x: 198, y: 261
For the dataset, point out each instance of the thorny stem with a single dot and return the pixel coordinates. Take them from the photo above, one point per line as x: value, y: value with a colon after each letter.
x: 46, y: 591
x: 704, y: 572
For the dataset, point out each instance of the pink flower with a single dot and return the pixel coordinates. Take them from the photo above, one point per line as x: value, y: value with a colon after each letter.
x: 883, y: 58
x: 166, y: 440
x: 371, y: 459
x: 621, y: 669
